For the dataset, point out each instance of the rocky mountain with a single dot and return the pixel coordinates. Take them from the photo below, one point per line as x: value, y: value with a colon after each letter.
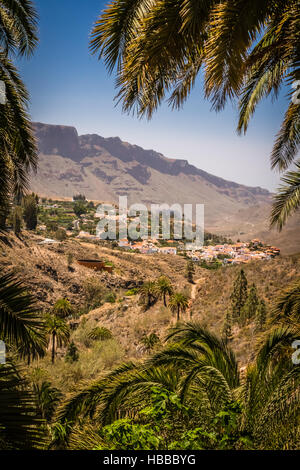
x: 105, y: 168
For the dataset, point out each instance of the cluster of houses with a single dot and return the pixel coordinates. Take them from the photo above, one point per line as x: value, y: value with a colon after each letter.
x: 148, y: 247
x: 237, y: 253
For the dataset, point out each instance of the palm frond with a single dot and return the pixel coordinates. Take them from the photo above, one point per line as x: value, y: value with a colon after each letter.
x: 287, y: 143
x: 287, y: 199
x: 20, y: 322
x: 287, y: 305
x: 18, y: 26
x: 20, y: 424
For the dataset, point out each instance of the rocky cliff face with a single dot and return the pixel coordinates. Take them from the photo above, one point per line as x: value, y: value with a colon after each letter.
x: 58, y: 140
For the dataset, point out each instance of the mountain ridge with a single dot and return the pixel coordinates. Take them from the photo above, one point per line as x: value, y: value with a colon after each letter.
x: 105, y: 168
x: 77, y: 147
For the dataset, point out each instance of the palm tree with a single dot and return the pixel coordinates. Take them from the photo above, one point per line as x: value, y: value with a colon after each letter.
x: 20, y: 422
x: 58, y: 331
x: 164, y: 288
x: 287, y: 199
x: 247, y: 50
x: 18, y: 36
x: 148, y: 293
x: 63, y: 308
x: 107, y: 397
x: 178, y: 303
x: 204, y: 371
x: 21, y: 324
x: 19, y: 28
x: 286, y: 308
x: 150, y: 341
x: 100, y: 333
x: 47, y: 399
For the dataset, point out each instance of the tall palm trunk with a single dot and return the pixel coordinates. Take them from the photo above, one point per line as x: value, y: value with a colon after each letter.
x: 165, y: 300
x: 53, y: 348
x: 178, y: 313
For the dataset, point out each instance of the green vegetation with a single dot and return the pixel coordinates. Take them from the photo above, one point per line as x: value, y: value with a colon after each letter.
x: 190, y: 271
x: 249, y: 309
x: 72, y: 354
x: 148, y: 293
x: 58, y: 332
x: 17, y: 220
x: 79, y: 208
x: 100, y: 333
x: 178, y: 303
x: 215, y: 264
x: 189, y: 395
x: 131, y: 292
x: 150, y: 341
x: 18, y: 154
x: 47, y: 398
x: 79, y: 197
x: 164, y: 288
x: 261, y: 315
x: 239, y: 295
x: 63, y: 308
x: 189, y: 391
x: 227, y: 326
x: 30, y: 211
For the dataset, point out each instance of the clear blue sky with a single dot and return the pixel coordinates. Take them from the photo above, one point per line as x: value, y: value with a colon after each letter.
x: 69, y: 86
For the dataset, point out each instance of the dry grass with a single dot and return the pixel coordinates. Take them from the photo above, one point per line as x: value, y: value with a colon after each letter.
x: 46, y: 272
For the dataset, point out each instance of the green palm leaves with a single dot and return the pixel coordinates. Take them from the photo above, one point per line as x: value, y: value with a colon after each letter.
x: 164, y: 288
x: 287, y: 306
x: 21, y: 325
x: 178, y: 303
x: 59, y: 332
x: 287, y: 199
x: 247, y: 49
x: 63, y: 308
x: 18, y: 149
x: 203, y: 371
x: 18, y: 26
x: 271, y: 392
x: 148, y: 293
x: 20, y: 424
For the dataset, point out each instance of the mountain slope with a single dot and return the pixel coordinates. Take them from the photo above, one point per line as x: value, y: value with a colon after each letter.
x: 104, y: 168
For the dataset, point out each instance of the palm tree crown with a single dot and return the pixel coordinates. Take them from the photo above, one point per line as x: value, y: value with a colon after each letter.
x: 63, y: 308
x: 204, y: 372
x: 247, y: 49
x: 58, y: 331
x: 178, y: 303
x: 18, y: 35
x: 21, y: 325
x: 164, y: 288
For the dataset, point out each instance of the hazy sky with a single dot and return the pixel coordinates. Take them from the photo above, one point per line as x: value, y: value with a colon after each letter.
x: 69, y: 86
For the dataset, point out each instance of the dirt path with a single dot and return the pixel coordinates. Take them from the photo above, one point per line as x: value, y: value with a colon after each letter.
x: 194, y: 289
x: 193, y: 293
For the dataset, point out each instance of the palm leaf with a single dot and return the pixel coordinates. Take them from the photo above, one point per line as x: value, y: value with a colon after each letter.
x: 287, y: 199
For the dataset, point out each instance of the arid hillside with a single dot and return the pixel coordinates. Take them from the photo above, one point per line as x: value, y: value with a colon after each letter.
x: 111, y: 301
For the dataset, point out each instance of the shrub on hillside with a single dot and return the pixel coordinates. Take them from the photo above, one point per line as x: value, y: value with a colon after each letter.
x: 94, y: 293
